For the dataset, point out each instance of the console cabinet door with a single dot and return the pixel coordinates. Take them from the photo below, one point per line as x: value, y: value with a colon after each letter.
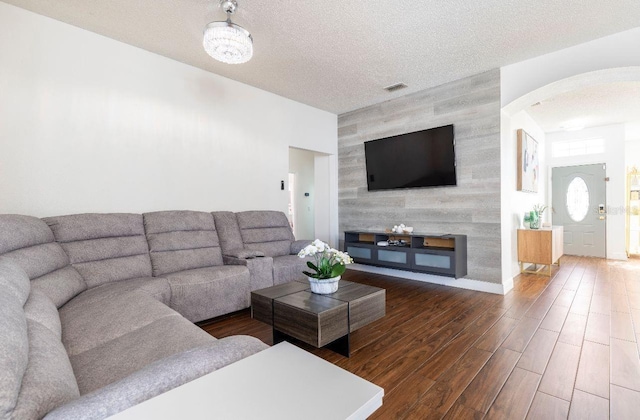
x: 434, y: 261
x: 394, y: 257
x: 360, y: 253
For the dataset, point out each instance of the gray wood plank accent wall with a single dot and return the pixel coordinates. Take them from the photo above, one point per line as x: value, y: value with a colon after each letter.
x: 471, y: 208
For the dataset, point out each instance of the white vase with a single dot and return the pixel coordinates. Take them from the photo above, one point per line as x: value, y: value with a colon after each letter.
x: 324, y: 286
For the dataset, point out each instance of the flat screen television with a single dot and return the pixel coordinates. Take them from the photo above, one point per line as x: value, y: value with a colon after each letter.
x: 421, y: 159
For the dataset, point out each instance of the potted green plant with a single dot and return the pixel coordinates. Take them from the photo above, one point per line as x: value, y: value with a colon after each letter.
x: 536, y: 216
x: 329, y: 265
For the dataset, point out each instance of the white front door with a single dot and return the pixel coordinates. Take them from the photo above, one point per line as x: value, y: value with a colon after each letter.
x: 579, y: 205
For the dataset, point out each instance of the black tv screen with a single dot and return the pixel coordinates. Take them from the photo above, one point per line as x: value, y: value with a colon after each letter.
x: 422, y: 159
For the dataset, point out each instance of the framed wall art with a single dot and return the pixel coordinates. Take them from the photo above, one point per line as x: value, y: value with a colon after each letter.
x: 528, y: 162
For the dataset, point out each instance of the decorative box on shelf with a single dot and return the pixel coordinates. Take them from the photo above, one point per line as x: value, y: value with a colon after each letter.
x: 444, y: 255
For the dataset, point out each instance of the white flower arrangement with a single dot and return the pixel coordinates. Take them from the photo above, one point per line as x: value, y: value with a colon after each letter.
x: 401, y: 228
x: 329, y: 262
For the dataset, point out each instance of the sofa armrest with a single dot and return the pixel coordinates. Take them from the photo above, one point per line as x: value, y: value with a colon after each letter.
x: 157, y: 378
x: 260, y: 270
x: 243, y: 253
x: 297, y: 246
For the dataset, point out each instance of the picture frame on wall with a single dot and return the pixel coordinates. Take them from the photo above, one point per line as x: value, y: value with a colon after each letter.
x: 528, y: 162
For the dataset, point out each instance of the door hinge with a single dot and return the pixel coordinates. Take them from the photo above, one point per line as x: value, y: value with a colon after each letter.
x: 606, y: 179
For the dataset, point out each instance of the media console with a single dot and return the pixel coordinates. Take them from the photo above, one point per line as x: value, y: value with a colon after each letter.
x: 444, y: 255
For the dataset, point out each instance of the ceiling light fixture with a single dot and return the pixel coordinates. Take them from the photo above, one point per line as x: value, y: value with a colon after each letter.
x: 225, y: 41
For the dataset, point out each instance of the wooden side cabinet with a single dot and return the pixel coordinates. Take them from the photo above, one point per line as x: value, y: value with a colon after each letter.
x: 540, y: 247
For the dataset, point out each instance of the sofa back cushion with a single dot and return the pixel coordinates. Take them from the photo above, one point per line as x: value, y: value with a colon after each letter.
x: 39, y: 308
x: 49, y: 381
x: 266, y: 231
x: 29, y: 242
x: 228, y: 231
x: 104, y: 247
x: 14, y: 345
x: 181, y: 240
x: 35, y: 371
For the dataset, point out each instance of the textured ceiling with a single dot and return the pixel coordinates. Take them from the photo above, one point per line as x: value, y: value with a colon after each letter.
x: 610, y: 103
x: 337, y: 55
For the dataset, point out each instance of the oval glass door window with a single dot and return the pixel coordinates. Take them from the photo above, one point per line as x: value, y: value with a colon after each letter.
x: 577, y: 199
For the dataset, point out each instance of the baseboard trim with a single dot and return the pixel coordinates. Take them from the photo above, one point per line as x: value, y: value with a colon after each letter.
x: 507, y: 285
x: 463, y: 283
x: 622, y: 256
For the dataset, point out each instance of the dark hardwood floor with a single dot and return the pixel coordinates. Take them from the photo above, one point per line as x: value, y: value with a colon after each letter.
x: 559, y: 347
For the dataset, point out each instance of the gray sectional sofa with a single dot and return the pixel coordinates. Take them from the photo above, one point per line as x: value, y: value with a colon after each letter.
x: 97, y: 310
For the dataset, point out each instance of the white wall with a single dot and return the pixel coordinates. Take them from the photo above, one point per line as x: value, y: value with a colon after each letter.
x: 632, y: 153
x: 516, y: 203
x: 302, y: 164
x: 91, y: 124
x: 326, y: 188
x: 614, y: 158
x: 618, y: 50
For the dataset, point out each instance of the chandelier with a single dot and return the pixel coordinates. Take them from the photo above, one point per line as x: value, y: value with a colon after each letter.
x: 225, y: 41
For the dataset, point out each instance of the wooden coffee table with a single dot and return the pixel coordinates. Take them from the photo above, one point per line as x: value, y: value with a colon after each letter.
x: 320, y: 320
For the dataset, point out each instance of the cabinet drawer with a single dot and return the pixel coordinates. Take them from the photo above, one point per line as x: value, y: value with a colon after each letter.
x: 361, y: 253
x: 442, y: 262
x: 394, y: 258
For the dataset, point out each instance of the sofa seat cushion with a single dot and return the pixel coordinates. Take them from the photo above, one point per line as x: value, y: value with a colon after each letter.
x: 116, y: 359
x: 289, y: 268
x: 205, y: 293
x: 101, y: 314
x: 158, y: 377
x: 156, y: 287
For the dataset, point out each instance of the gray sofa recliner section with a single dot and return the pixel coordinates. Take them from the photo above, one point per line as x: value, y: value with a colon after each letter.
x: 185, y: 249
x: 266, y: 233
x: 97, y: 309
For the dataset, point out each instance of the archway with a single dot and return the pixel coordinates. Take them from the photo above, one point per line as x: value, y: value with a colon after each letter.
x: 513, y: 202
x: 611, y: 75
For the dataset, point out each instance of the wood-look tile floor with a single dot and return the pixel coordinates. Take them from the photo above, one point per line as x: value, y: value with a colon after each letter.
x: 559, y: 347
